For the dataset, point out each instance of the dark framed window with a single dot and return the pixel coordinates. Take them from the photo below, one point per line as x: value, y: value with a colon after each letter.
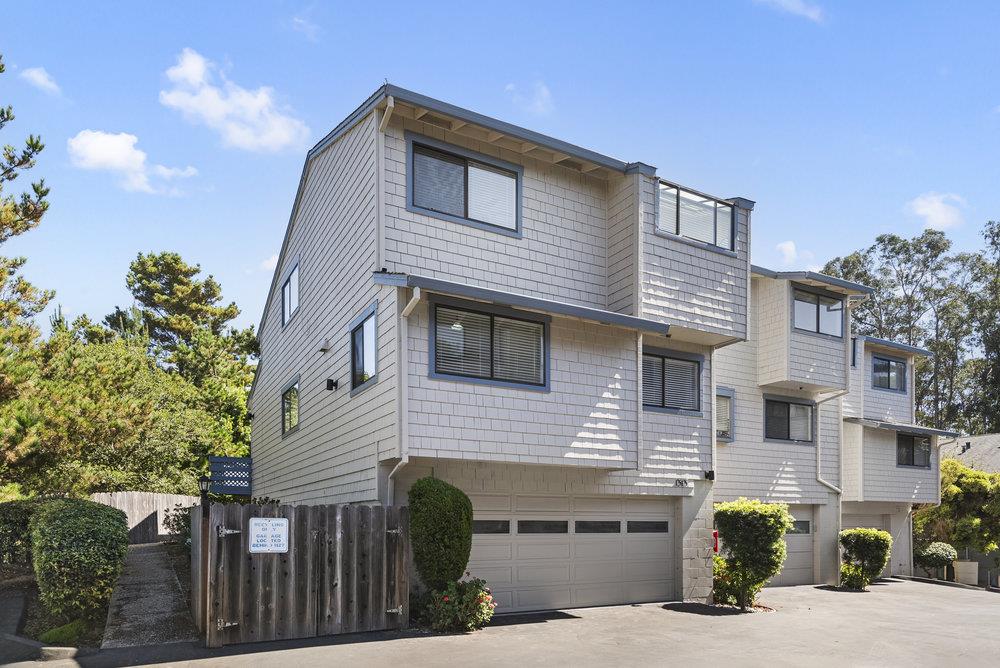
x: 695, y: 216
x: 913, y: 450
x: 854, y: 351
x: 724, y: 416
x: 290, y: 295
x: 788, y: 421
x: 818, y: 313
x: 502, y: 346
x: 290, y: 408
x: 543, y: 526
x: 888, y: 373
x: 597, y: 526
x: 648, y: 526
x: 801, y: 527
x: 363, y: 351
x: 461, y: 187
x: 490, y: 526
x: 669, y: 382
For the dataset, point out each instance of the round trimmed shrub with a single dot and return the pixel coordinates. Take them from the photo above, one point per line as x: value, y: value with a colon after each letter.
x: 78, y: 550
x: 751, y: 534
x: 462, y: 606
x: 866, y: 553
x: 15, y: 537
x: 935, y: 556
x: 440, y: 531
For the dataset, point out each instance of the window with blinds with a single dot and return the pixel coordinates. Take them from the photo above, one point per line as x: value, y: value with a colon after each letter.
x: 478, y: 344
x: 668, y: 382
x: 787, y: 421
x: 723, y: 416
x: 695, y: 216
x: 464, y: 188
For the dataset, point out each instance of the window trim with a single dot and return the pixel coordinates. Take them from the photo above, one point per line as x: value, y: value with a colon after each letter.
x: 294, y: 382
x: 370, y: 311
x: 676, y: 233
x: 286, y: 276
x: 677, y: 355
x: 414, y: 138
x: 492, y: 310
x: 898, y: 360
x: 807, y: 532
x: 731, y: 394
x: 818, y: 292
x: 814, y: 422
x: 930, y: 455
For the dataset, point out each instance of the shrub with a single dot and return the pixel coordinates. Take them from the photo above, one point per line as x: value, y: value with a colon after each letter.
x: 866, y: 549
x: 751, y: 534
x: 722, y: 584
x: 935, y: 556
x: 15, y: 538
x: 440, y: 531
x: 461, y: 606
x: 78, y: 549
x: 177, y: 521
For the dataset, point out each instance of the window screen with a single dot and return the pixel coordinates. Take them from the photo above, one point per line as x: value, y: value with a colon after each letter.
x: 290, y: 408
x: 290, y: 295
x: 788, y: 421
x: 723, y: 416
x: 670, y: 383
x: 488, y: 346
x: 363, y: 350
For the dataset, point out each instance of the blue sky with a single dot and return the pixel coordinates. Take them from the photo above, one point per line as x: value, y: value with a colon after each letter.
x: 183, y: 126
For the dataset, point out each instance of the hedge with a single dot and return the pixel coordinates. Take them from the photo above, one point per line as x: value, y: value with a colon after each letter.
x: 752, y: 536
x: 78, y: 549
x: 15, y: 537
x: 866, y: 553
x: 935, y: 556
x: 440, y: 531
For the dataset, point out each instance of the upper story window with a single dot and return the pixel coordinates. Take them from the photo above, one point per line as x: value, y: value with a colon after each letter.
x: 724, y: 414
x: 854, y: 351
x: 818, y: 313
x: 689, y: 214
x: 671, y: 383
x: 290, y: 295
x: 788, y: 421
x: 913, y: 450
x: 363, y: 348
x: 497, y: 346
x: 888, y: 374
x: 290, y: 408
x: 462, y: 186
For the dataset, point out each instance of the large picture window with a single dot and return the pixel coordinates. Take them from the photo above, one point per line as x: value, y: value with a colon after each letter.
x: 788, y: 421
x: 695, y: 216
x: 490, y: 346
x: 668, y: 382
x: 913, y: 450
x: 818, y: 313
x: 888, y: 374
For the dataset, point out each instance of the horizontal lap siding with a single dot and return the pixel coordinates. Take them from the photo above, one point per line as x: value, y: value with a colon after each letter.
x: 887, y: 405
x: 563, y: 252
x: 885, y: 481
x: 817, y: 360
x: 332, y: 456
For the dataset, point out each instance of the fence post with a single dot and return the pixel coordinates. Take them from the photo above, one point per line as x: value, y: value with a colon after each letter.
x: 206, y: 613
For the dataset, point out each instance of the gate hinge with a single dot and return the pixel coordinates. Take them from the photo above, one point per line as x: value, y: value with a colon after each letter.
x: 223, y: 531
x: 395, y: 531
x: 221, y: 624
x: 397, y: 611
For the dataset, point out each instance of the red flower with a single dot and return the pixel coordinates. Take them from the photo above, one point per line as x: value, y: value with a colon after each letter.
x: 445, y: 599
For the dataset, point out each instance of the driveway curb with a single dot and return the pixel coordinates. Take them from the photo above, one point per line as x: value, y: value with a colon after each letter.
x: 45, y: 652
x: 946, y: 583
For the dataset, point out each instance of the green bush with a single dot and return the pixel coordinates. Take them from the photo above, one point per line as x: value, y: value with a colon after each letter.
x: 868, y: 551
x: 440, y: 531
x: 935, y: 556
x: 177, y: 521
x: 461, y: 606
x: 751, y: 534
x: 722, y: 584
x: 78, y: 549
x: 15, y: 538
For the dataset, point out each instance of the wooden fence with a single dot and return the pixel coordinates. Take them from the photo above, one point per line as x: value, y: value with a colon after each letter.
x: 145, y: 511
x: 345, y: 571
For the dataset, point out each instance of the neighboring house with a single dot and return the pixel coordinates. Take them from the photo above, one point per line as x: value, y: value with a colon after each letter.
x: 983, y: 454
x: 527, y: 319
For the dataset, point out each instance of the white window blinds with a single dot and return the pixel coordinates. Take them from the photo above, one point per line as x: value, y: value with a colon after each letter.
x: 492, y: 196
x: 484, y: 345
x: 670, y: 383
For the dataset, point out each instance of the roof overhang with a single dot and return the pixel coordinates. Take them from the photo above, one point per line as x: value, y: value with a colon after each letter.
x: 523, y: 301
x: 815, y: 278
x: 906, y: 428
x: 893, y: 345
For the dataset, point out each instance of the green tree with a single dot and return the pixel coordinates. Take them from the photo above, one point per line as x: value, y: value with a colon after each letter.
x: 986, y: 314
x: 969, y: 513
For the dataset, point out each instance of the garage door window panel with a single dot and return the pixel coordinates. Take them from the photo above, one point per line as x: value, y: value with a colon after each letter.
x: 542, y: 526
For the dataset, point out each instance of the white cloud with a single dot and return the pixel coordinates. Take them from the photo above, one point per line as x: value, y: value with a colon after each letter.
x: 246, y: 119
x: 117, y: 153
x: 792, y: 254
x: 806, y: 10
x: 537, y: 101
x: 301, y: 24
x: 40, y: 79
x: 270, y: 263
x: 940, y: 211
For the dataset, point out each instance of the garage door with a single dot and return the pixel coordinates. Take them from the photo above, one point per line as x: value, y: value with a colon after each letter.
x: 868, y: 522
x: 546, y: 552
x: 798, y: 568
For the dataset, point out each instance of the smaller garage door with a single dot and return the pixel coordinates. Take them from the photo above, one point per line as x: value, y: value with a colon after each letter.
x: 869, y: 522
x: 798, y: 568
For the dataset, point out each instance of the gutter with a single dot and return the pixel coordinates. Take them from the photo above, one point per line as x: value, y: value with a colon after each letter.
x: 404, y: 390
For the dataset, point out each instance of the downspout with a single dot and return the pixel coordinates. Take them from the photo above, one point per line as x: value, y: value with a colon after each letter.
x: 404, y: 431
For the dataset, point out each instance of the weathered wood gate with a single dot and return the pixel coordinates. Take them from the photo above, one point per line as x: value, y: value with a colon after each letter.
x: 345, y: 571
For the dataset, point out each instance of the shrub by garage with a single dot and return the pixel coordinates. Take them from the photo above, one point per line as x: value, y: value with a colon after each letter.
x: 751, y: 534
x: 866, y: 553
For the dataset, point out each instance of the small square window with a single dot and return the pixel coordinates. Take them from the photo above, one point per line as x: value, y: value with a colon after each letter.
x: 290, y: 408
x: 363, y: 349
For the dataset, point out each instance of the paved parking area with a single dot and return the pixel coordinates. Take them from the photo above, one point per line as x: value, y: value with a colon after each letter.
x: 898, y: 623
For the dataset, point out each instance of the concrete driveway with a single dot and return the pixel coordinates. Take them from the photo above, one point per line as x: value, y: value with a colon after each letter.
x: 898, y: 623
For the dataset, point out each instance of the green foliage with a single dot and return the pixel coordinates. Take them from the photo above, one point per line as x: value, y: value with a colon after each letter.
x: 751, y: 534
x: 969, y: 513
x: 15, y: 537
x: 177, y: 521
x: 461, y: 606
x: 934, y: 556
x: 722, y: 584
x: 866, y: 553
x: 78, y: 550
x: 67, y: 634
x: 440, y: 531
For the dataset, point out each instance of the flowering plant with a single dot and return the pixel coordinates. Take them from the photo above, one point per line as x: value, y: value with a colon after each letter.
x: 461, y: 606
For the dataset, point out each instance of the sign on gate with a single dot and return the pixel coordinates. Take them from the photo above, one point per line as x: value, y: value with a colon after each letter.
x: 268, y: 535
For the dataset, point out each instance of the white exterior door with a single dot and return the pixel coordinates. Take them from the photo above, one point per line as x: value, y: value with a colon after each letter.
x: 798, y: 568
x: 545, y: 552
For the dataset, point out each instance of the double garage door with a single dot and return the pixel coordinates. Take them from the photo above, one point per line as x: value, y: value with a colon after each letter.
x: 545, y: 552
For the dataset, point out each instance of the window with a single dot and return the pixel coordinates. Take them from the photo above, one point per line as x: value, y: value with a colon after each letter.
x: 647, y: 526
x: 464, y: 188
x: 889, y: 374
x: 597, y: 526
x: 491, y: 526
x: 800, y: 527
x: 668, y: 382
x: 854, y: 351
x: 290, y: 295
x: 695, y: 216
x: 818, y: 313
x: 788, y: 421
x: 363, y: 351
x: 542, y: 526
x: 489, y: 346
x: 290, y: 408
x: 913, y: 450
x: 724, y: 415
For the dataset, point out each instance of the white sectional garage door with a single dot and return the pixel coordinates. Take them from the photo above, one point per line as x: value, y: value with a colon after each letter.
x: 545, y: 552
x: 798, y: 568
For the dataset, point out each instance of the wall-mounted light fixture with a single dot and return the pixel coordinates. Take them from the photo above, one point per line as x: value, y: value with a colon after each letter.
x: 332, y: 384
